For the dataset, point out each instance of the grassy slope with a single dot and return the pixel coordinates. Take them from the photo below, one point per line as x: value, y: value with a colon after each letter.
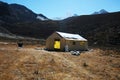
x: 30, y: 64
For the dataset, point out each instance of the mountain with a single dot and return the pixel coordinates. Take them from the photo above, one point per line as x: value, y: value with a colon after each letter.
x: 21, y: 13
x: 100, y: 29
x: 102, y: 11
x: 4, y: 10
x: 13, y: 15
x: 17, y: 13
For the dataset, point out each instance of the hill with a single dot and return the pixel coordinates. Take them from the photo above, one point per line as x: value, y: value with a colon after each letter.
x: 13, y: 13
x: 100, y: 29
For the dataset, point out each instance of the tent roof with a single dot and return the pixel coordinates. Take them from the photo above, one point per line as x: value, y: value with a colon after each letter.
x: 69, y: 36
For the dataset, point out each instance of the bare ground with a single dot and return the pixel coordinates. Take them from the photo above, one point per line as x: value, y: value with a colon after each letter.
x: 34, y: 63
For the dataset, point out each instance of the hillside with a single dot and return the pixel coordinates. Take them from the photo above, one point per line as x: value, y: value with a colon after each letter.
x: 99, y: 29
x: 11, y: 15
x: 14, y: 13
x: 37, y: 29
x: 102, y: 28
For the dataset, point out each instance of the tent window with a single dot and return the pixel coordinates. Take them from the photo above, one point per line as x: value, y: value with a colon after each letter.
x: 74, y: 43
x: 82, y: 43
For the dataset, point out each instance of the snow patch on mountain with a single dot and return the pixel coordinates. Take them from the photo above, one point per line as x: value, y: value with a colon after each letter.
x: 41, y: 18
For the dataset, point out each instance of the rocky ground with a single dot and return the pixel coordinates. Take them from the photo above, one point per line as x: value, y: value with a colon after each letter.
x: 33, y: 63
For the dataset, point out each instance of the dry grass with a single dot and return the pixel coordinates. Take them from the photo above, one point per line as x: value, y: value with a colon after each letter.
x: 30, y: 63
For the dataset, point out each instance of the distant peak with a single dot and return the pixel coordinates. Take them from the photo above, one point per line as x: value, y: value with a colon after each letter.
x: 102, y: 11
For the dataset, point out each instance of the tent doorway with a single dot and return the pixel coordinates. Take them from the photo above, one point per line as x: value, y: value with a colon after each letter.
x: 57, y: 44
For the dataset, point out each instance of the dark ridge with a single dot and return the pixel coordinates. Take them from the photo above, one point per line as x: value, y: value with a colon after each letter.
x: 100, y: 29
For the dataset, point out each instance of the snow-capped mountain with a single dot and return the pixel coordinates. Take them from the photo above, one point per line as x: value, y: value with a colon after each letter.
x: 102, y: 11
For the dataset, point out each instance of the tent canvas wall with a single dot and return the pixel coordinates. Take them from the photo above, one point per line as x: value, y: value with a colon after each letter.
x: 58, y: 41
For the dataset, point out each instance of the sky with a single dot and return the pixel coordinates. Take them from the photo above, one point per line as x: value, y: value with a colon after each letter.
x: 65, y: 8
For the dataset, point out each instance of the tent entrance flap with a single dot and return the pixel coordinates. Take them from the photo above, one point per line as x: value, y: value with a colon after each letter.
x: 57, y: 44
